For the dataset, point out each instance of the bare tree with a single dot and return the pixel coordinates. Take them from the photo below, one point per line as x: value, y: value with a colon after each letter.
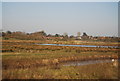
x: 65, y: 34
x: 78, y: 34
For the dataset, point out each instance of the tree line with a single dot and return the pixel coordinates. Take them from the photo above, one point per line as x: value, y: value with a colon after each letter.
x: 42, y: 35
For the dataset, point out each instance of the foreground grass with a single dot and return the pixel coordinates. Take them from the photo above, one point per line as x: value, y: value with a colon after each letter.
x: 30, y: 60
x: 93, y: 71
x: 31, y: 66
x: 23, y: 59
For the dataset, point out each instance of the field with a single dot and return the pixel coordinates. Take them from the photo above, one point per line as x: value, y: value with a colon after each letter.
x: 23, y: 59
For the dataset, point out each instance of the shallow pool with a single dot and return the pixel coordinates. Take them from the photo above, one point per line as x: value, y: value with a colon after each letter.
x: 79, y: 63
x: 81, y: 45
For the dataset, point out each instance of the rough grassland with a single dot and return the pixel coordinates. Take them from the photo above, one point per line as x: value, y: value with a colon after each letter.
x: 23, y: 59
x: 94, y: 71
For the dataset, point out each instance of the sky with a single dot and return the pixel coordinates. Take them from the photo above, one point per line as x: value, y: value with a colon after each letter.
x: 59, y: 0
x: 0, y: 15
x: 94, y: 18
x: 119, y: 19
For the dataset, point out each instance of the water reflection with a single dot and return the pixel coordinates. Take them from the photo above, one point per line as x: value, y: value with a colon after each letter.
x: 79, y: 63
x: 81, y: 45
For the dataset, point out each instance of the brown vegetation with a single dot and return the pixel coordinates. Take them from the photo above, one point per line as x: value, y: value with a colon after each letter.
x: 25, y: 57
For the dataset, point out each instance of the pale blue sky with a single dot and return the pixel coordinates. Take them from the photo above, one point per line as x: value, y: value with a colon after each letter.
x: 60, y: 0
x: 0, y: 15
x: 94, y: 18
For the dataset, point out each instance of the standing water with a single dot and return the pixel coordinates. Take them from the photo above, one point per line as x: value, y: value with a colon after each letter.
x: 81, y: 45
x: 80, y: 63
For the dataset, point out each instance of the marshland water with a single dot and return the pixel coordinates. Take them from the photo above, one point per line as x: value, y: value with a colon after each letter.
x: 81, y: 45
x: 88, y: 62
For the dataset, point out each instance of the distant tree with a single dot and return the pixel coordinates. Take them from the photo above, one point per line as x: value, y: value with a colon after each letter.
x: 3, y: 34
x: 43, y: 33
x: 71, y: 36
x: 27, y: 34
x: 65, y: 34
x: 49, y: 35
x: 78, y: 34
x: 84, y: 34
x: 9, y: 32
x: 57, y: 35
x: 0, y: 34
